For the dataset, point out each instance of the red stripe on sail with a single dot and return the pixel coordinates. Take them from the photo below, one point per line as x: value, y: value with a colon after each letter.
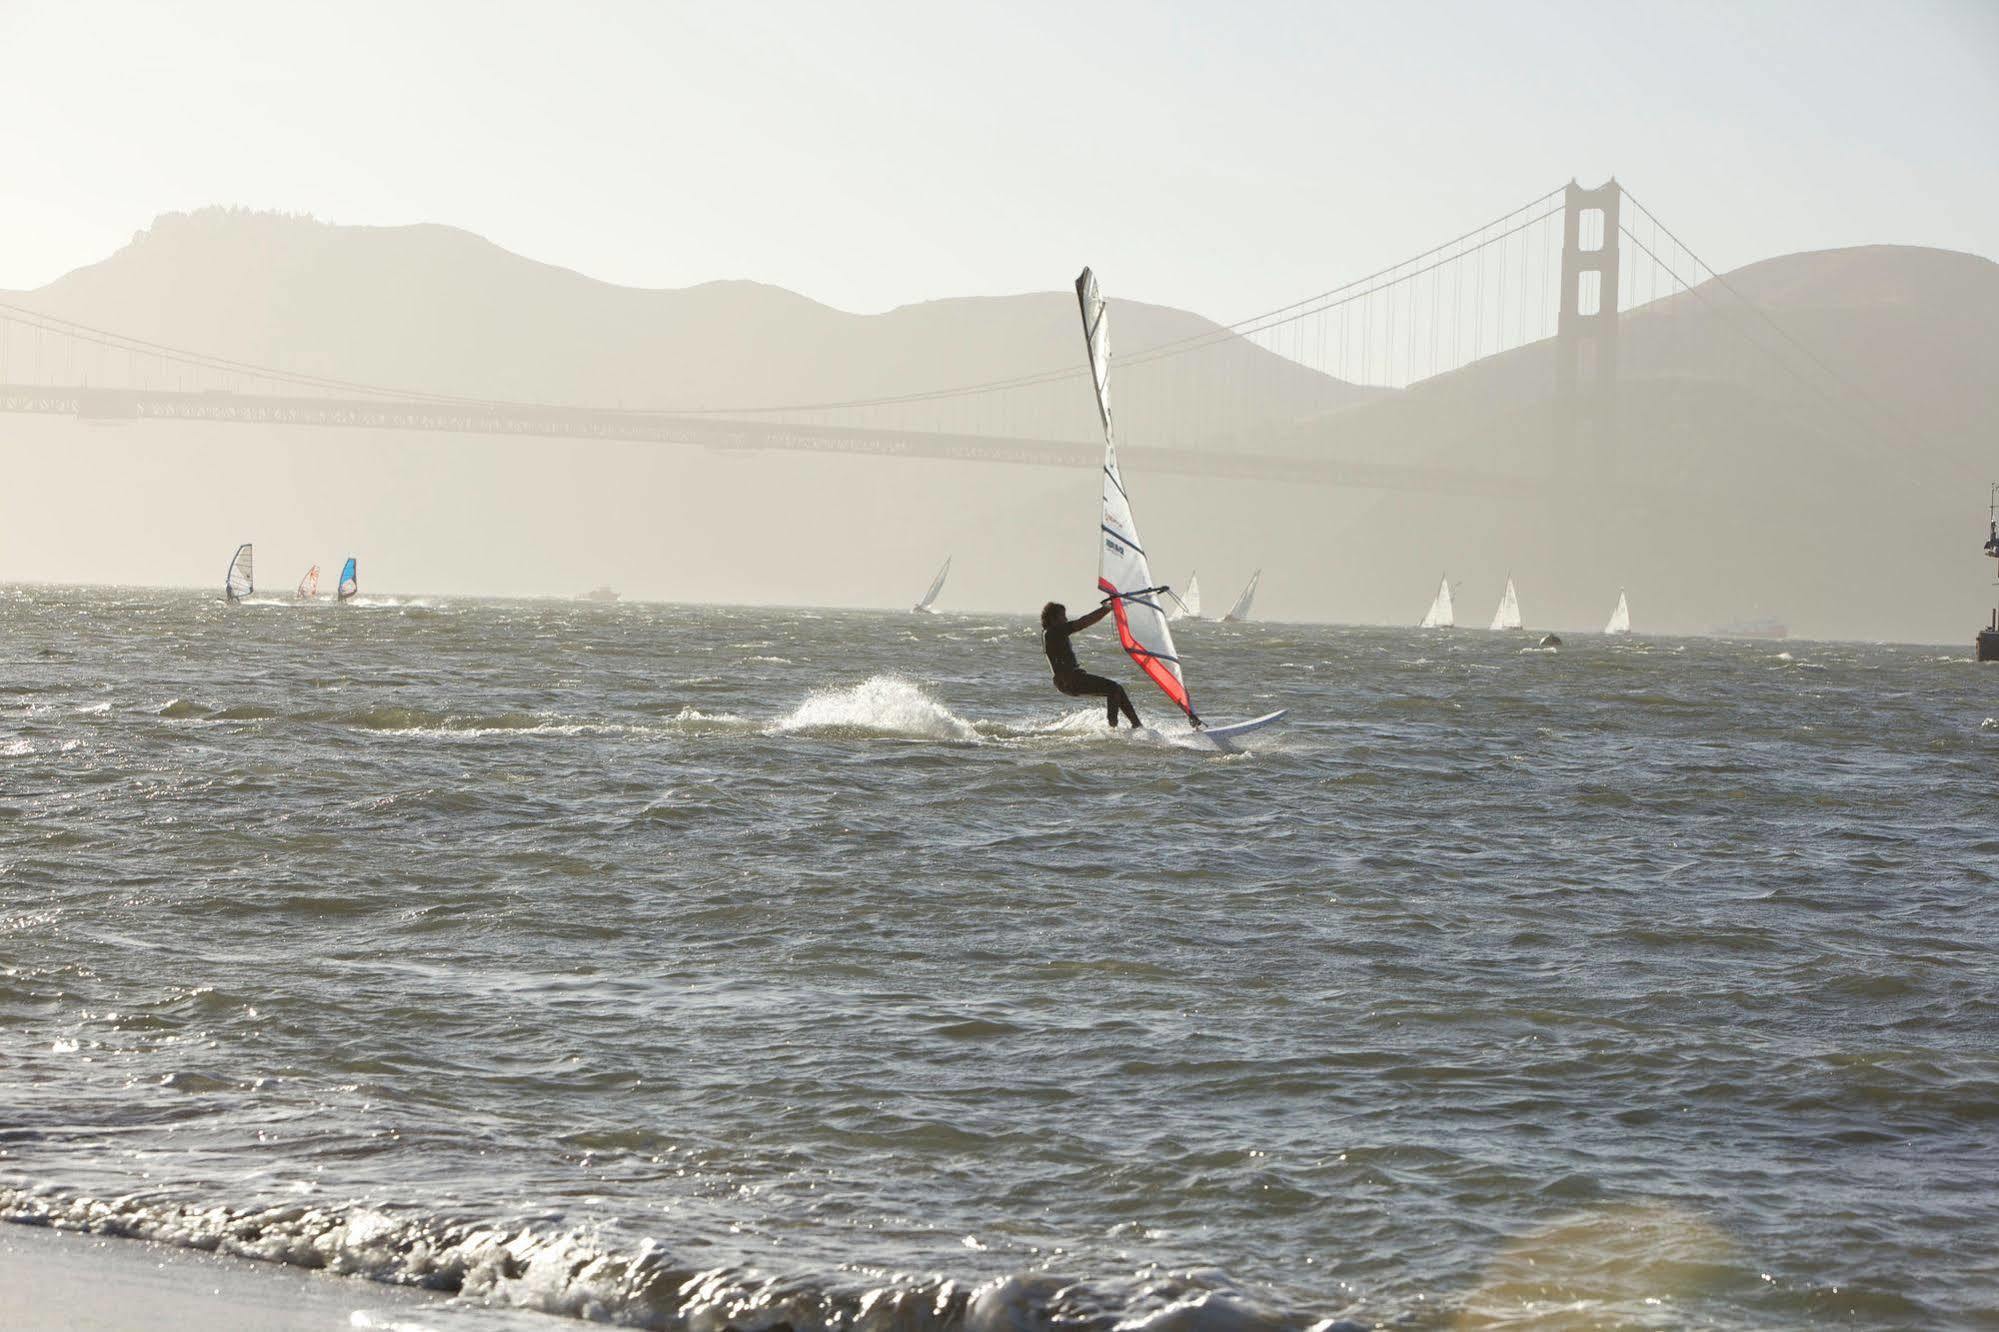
x: 1169, y: 683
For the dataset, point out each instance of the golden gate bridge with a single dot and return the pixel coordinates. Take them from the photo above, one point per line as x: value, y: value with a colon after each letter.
x: 1568, y: 268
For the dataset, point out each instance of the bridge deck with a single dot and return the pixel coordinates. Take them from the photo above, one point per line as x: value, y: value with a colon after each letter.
x: 504, y: 419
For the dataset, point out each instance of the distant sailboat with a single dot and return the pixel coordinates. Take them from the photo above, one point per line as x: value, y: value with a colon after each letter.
x: 1240, y: 611
x: 1508, y: 614
x: 1620, y: 619
x: 1441, y: 614
x: 1189, y: 606
x: 308, y: 586
x: 936, y: 585
x: 349, y: 585
x: 240, y: 581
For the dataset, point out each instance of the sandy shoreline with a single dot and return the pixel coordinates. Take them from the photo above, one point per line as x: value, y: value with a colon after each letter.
x: 60, y: 1281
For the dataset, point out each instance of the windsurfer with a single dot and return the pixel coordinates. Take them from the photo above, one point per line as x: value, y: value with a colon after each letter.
x: 1072, y: 679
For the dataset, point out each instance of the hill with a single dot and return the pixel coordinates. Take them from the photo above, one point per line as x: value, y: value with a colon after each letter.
x: 438, y: 310
x: 1808, y: 437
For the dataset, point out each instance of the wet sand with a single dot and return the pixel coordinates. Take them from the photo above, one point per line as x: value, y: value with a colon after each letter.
x: 55, y: 1281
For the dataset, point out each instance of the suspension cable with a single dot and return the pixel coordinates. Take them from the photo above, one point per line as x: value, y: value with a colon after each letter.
x: 1695, y: 291
x: 77, y: 332
x: 1282, y: 315
x: 1760, y: 312
x: 1191, y: 342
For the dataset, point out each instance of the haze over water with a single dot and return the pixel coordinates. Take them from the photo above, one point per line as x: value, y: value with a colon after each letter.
x: 557, y: 952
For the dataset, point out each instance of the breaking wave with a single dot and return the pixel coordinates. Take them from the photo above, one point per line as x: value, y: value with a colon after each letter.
x: 882, y: 706
x: 574, y: 1275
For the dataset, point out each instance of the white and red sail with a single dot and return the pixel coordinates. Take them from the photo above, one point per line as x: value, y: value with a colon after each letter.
x: 1123, y: 573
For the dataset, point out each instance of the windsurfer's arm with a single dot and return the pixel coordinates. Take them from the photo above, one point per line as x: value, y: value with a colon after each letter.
x: 1084, y: 622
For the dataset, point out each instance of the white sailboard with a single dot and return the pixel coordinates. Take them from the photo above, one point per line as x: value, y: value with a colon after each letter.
x: 1620, y: 619
x: 1124, y: 575
x: 241, y: 580
x: 1240, y: 611
x: 308, y: 586
x: 1441, y: 614
x: 1508, y: 614
x: 936, y: 586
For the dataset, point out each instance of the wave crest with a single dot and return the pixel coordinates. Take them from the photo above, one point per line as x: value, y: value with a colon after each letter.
x: 882, y: 706
x: 573, y: 1275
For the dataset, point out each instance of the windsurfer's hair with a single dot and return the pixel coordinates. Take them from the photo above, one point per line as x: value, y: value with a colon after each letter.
x: 1054, y: 613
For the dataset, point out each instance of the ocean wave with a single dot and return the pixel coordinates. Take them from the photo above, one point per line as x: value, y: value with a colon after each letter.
x: 573, y: 1274
x: 880, y: 707
x: 690, y: 720
x: 405, y: 721
x: 243, y: 712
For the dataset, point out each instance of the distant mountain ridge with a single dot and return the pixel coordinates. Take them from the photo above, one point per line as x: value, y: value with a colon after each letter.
x: 1819, y: 454
x: 440, y: 310
x: 1809, y: 437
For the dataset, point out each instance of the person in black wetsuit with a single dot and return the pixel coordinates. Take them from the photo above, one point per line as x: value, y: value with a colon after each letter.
x: 1071, y: 679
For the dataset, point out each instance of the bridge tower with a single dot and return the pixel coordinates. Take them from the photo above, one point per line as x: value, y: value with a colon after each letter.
x: 1586, y: 333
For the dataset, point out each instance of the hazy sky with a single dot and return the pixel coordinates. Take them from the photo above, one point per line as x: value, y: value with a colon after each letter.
x: 1221, y: 157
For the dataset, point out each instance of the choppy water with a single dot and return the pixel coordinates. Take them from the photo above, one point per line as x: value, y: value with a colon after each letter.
x: 705, y: 967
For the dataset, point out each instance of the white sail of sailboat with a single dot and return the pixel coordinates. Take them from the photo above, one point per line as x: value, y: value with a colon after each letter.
x: 1441, y: 615
x: 1186, y: 605
x: 1124, y: 574
x: 308, y: 586
x: 936, y: 586
x: 241, y: 580
x: 1508, y: 614
x: 1620, y: 619
x: 1240, y: 611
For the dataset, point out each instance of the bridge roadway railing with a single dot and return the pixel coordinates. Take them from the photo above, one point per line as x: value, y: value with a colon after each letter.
x: 729, y: 434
